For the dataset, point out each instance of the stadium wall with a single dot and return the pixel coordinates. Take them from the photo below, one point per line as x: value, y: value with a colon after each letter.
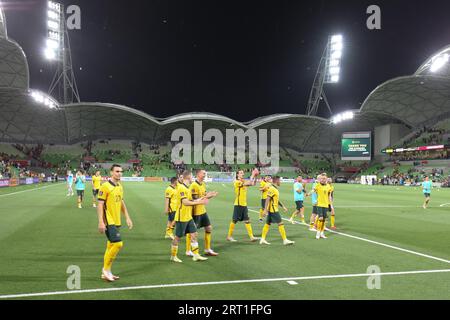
x: 387, y: 135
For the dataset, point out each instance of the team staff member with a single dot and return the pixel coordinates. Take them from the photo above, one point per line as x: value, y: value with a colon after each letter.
x: 110, y: 207
x: 80, y: 186
x: 426, y: 188
x: 299, y: 198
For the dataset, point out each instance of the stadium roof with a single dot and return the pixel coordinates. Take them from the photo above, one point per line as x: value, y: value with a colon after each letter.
x: 420, y: 99
x: 412, y: 100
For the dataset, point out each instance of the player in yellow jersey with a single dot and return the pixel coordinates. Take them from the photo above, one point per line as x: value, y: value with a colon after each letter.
x: 264, y: 188
x: 240, y: 204
x: 271, y: 210
x: 171, y: 206
x: 331, y: 207
x: 323, y: 190
x: 96, y: 183
x: 201, y: 218
x: 184, y: 223
x: 110, y: 207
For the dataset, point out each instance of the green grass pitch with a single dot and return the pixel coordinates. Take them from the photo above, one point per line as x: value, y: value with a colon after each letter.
x: 42, y: 233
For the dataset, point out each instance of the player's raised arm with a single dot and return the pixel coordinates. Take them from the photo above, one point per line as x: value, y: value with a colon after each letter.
x: 252, y: 181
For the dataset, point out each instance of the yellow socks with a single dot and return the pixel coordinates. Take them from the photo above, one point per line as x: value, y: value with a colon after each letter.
x: 230, y: 231
x: 332, y: 221
x: 282, y: 232
x: 174, y: 251
x: 248, y: 226
x: 261, y: 214
x: 111, y: 254
x: 265, y: 231
x: 294, y: 215
x: 319, y: 225
x: 207, y: 240
x: 188, y: 242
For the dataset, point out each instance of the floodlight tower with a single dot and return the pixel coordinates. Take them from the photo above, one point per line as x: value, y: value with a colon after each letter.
x: 327, y: 73
x: 63, y: 87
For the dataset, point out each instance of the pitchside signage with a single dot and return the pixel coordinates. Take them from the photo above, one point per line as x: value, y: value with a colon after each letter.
x: 356, y: 146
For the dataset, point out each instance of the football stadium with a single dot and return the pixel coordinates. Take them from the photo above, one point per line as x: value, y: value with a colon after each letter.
x: 383, y: 239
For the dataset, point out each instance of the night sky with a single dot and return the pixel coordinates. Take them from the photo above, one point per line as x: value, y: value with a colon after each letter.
x: 241, y: 59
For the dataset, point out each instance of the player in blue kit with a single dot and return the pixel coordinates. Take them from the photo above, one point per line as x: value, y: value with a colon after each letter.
x: 426, y: 188
x: 299, y: 198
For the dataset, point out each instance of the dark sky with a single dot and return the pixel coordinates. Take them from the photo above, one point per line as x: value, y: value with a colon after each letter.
x: 241, y: 59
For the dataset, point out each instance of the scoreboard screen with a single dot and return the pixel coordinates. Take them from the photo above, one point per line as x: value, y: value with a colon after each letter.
x: 356, y: 146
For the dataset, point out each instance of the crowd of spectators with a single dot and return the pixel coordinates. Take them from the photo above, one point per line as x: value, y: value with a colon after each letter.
x: 421, y: 155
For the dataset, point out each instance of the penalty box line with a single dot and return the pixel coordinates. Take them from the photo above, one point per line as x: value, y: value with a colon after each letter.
x: 377, y: 243
x: 36, y: 189
x: 196, y: 284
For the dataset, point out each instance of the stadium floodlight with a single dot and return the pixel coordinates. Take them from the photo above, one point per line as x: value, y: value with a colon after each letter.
x: 50, y: 54
x: 57, y: 50
x: 55, y: 32
x: 439, y: 62
x: 335, y: 50
x: 43, y: 99
x: 329, y: 72
x: 348, y: 115
x: 335, y: 78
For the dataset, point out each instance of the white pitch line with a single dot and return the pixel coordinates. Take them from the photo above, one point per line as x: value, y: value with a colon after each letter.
x: 444, y: 205
x: 177, y: 285
x: 378, y: 243
x: 18, y: 192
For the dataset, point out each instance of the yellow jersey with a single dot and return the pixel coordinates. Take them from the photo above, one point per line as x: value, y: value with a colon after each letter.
x: 240, y: 191
x: 184, y: 213
x: 96, y: 181
x: 265, y: 186
x: 323, y: 193
x: 172, y: 194
x: 198, y: 190
x: 274, y: 194
x: 112, y: 195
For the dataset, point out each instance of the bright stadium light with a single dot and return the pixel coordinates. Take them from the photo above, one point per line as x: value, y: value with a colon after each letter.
x: 439, y: 62
x: 348, y: 115
x: 335, y: 50
x: 52, y: 44
x: 336, y: 38
x: 335, y: 79
x: 50, y: 54
x: 54, y: 32
x: 43, y: 99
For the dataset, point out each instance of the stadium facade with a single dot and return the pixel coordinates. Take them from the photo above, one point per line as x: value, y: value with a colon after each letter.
x: 391, y: 111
